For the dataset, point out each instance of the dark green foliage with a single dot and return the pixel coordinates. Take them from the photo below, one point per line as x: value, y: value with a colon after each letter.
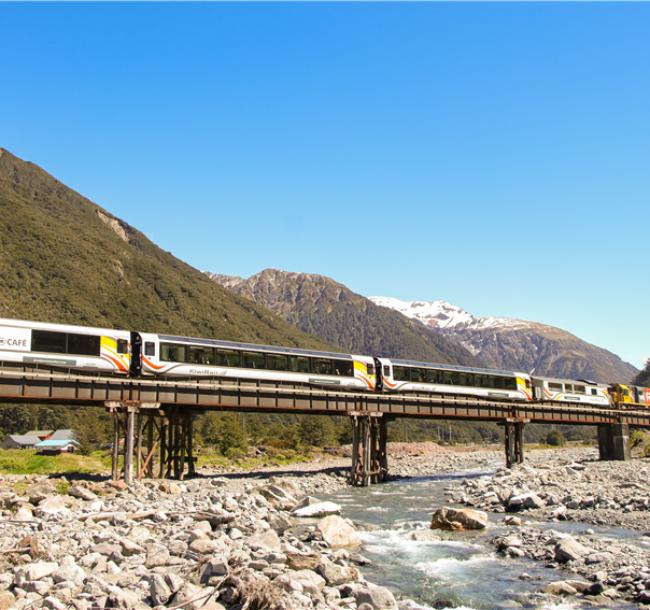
x: 555, y: 438
x: 643, y: 378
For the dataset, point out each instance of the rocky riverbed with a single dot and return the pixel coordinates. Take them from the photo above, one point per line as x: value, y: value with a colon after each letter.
x: 543, y: 500
x: 208, y: 543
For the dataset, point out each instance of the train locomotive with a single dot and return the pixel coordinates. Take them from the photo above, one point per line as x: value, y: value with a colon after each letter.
x: 141, y: 354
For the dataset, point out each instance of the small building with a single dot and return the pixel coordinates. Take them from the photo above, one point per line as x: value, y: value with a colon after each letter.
x: 56, y: 446
x: 61, y: 435
x: 20, y: 441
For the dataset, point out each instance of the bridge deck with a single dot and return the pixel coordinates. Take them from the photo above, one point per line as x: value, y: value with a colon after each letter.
x: 21, y: 383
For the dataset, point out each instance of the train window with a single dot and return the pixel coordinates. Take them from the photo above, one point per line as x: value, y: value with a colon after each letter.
x: 401, y: 373
x: 371, y: 369
x: 228, y: 357
x: 200, y: 355
x: 418, y: 375
x: 386, y: 370
x: 509, y: 383
x: 122, y: 346
x: 343, y: 368
x: 432, y: 376
x: 277, y: 362
x: 568, y: 387
x: 528, y: 383
x: 172, y: 352
x: 253, y: 360
x: 555, y: 387
x: 149, y: 348
x: 579, y: 389
x: 47, y: 341
x: 299, y: 364
x: 594, y: 392
x: 84, y: 345
x: 321, y: 366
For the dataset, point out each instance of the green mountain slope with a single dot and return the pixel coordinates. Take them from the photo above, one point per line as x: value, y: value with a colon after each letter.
x: 65, y: 259
x: 320, y: 306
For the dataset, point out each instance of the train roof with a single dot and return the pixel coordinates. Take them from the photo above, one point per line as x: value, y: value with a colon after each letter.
x: 561, y: 380
x: 455, y: 367
x: 55, y: 326
x: 297, y: 351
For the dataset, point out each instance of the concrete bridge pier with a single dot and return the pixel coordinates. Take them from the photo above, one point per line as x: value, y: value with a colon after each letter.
x: 514, y: 442
x: 151, y: 441
x: 613, y: 442
x: 369, y: 455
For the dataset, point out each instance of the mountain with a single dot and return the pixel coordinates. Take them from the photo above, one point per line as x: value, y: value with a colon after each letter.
x: 65, y: 259
x: 322, y: 307
x: 510, y: 343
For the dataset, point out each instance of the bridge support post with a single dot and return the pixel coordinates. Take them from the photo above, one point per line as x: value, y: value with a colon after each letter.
x: 166, y: 433
x: 514, y: 442
x: 369, y: 455
x: 613, y: 442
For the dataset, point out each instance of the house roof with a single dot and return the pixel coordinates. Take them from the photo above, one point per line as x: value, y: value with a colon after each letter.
x: 54, y: 443
x: 63, y: 434
x: 38, y: 433
x: 24, y: 439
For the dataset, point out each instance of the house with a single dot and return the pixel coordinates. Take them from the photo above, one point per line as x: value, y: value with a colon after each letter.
x: 52, y: 446
x: 20, y: 441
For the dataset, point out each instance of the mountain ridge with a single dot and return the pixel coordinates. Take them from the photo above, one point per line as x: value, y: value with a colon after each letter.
x: 326, y: 308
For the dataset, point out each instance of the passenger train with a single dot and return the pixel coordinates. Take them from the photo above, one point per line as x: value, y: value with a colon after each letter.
x: 135, y: 354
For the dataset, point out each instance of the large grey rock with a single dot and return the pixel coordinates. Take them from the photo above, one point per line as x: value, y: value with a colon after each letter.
x: 157, y: 556
x: 69, y: 571
x: 560, y: 587
x: 35, y: 571
x: 569, y: 549
x: 312, y: 583
x: 337, y: 532
x: 525, y: 501
x: 7, y: 599
x: 459, y: 519
x: 54, y: 506
x: 375, y: 596
x: 268, y: 540
x: 83, y: 493
x: 159, y: 590
x: 336, y: 574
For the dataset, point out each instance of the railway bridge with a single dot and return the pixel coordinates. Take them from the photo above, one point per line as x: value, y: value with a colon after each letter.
x: 153, y: 416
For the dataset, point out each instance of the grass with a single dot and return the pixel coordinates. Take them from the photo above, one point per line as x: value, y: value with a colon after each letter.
x: 215, y: 459
x: 25, y: 461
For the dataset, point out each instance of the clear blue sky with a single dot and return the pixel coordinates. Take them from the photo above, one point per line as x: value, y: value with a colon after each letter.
x: 493, y: 155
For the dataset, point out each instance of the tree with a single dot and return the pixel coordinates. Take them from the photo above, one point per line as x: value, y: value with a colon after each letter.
x: 555, y: 438
x: 231, y: 435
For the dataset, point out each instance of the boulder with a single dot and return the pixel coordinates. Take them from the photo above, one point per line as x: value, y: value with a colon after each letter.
x: 312, y: 583
x: 35, y: 571
x: 525, y: 501
x: 459, y: 519
x: 7, y: 599
x: 569, y: 549
x: 301, y: 561
x: 320, y: 509
x: 378, y: 598
x: 159, y: 590
x: 336, y: 574
x: 53, y: 506
x: 337, y: 532
x: 268, y: 541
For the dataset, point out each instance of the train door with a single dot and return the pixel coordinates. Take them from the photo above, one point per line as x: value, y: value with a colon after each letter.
x: 136, y: 355
x: 379, y: 386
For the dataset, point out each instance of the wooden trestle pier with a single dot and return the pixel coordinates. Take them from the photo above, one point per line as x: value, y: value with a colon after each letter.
x: 153, y: 416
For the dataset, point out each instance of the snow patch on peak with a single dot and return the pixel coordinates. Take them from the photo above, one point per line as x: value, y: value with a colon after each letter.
x: 441, y: 314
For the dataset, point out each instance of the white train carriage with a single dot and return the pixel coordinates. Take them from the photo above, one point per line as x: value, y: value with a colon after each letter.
x: 78, y: 347
x: 413, y: 376
x: 186, y: 357
x: 571, y: 390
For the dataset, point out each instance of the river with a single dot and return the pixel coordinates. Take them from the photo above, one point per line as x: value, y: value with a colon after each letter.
x: 462, y: 570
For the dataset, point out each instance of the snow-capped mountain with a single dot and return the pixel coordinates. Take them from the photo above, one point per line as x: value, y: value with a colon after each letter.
x: 441, y: 314
x: 510, y: 343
